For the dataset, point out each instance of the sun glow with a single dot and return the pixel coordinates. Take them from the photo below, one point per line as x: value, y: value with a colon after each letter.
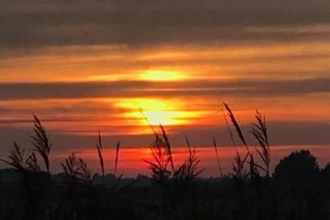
x: 156, y: 111
x: 165, y: 117
x: 161, y: 75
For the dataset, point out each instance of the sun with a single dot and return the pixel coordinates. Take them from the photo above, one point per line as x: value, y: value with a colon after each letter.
x: 164, y: 117
x: 161, y: 75
x: 152, y: 111
x: 155, y: 111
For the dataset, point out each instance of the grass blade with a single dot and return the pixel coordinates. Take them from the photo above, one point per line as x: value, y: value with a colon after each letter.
x: 99, y: 147
x: 117, y: 157
x: 236, y: 125
x: 217, y: 154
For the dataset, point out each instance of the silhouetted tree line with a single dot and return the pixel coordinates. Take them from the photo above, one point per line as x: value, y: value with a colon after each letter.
x: 298, y: 188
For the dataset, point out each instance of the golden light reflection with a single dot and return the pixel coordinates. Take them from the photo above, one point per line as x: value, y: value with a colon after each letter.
x: 163, y: 117
x: 157, y: 111
x: 162, y: 75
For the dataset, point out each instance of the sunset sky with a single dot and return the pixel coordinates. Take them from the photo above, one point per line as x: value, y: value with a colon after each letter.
x: 83, y: 66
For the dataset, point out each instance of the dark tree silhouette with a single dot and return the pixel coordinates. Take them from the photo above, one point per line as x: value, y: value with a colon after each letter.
x: 298, y: 173
x: 325, y: 180
x: 325, y: 172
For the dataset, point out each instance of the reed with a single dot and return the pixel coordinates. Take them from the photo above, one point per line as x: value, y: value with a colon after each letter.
x: 76, y: 168
x: 16, y: 159
x: 168, y: 146
x: 217, y: 155
x: 32, y: 163
x: 260, y: 132
x: 99, y: 147
x: 117, y: 158
x: 41, y: 141
x: 237, y: 127
x: 161, y: 159
x: 177, y: 185
x: 36, y: 185
x: 239, y: 163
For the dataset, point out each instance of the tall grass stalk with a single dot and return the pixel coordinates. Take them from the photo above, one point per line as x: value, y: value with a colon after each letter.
x: 99, y: 148
x: 19, y: 163
x: 117, y: 157
x: 161, y: 159
x: 188, y: 144
x: 192, y: 161
x: 41, y: 142
x: 76, y: 168
x: 229, y: 130
x: 161, y: 148
x: 168, y: 146
x: 260, y: 132
x: 35, y: 187
x: 237, y: 127
x: 238, y: 165
x: 16, y: 159
x: 32, y: 163
x: 217, y: 154
x: 147, y: 120
x: 177, y: 184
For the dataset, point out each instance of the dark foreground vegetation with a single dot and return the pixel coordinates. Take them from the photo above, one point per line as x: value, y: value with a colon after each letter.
x: 298, y: 188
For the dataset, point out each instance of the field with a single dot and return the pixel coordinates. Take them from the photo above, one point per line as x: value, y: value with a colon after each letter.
x: 297, y: 189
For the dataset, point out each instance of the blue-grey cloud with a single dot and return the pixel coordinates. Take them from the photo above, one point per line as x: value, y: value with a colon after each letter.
x: 232, y: 88
x: 26, y: 25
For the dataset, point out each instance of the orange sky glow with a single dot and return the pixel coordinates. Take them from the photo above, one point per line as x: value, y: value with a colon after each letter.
x: 172, y: 70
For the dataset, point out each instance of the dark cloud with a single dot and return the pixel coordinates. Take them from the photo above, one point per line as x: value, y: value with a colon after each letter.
x: 26, y: 25
x: 239, y: 88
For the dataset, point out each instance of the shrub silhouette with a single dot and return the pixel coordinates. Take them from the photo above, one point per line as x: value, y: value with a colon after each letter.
x: 298, y: 173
